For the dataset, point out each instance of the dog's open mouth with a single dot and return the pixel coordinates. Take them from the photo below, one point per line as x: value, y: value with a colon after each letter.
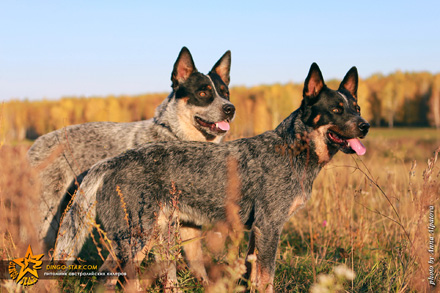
x: 219, y: 127
x: 351, y: 145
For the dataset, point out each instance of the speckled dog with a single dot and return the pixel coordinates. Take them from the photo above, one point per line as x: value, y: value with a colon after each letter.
x: 197, y: 109
x: 276, y: 171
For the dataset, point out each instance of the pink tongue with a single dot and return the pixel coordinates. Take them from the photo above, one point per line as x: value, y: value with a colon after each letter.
x: 223, y: 125
x: 357, y: 146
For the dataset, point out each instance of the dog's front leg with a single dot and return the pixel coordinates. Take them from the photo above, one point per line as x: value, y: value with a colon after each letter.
x: 124, y: 263
x: 251, y: 270
x: 266, y: 241
x: 193, y: 252
x: 109, y: 266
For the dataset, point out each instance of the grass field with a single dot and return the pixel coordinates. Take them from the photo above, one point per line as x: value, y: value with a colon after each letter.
x: 368, y: 213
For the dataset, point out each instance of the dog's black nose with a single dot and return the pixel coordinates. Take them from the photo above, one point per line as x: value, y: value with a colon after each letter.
x: 364, y: 126
x: 229, y: 109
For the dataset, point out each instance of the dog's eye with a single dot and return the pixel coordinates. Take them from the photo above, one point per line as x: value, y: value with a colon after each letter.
x: 202, y: 94
x: 337, y: 110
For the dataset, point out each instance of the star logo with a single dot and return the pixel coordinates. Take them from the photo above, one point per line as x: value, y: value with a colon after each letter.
x: 29, y: 265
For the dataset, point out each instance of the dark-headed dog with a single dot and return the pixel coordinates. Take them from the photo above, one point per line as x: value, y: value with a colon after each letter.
x: 197, y: 109
x: 276, y: 171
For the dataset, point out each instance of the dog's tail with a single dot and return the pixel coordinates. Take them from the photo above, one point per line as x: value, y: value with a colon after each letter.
x: 79, y: 220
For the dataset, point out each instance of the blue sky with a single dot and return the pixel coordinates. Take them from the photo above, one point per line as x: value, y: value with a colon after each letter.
x: 50, y: 49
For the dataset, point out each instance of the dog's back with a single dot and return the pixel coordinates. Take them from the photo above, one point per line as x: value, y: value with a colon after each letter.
x: 83, y: 145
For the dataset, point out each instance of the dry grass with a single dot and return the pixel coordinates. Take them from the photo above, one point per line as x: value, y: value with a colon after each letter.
x: 369, y: 213
x: 18, y: 202
x: 19, y: 192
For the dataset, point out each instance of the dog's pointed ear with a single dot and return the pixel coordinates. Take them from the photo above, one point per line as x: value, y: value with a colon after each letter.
x: 350, y: 82
x: 223, y: 67
x: 183, y: 67
x: 314, y: 82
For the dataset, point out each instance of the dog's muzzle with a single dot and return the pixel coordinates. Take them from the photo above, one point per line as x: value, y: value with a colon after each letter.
x: 229, y: 110
x: 364, y: 127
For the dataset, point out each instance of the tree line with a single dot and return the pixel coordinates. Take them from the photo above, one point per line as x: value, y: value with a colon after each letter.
x: 398, y: 99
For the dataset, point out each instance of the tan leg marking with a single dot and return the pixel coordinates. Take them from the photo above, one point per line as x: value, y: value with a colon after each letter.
x: 265, y: 281
x: 193, y: 252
